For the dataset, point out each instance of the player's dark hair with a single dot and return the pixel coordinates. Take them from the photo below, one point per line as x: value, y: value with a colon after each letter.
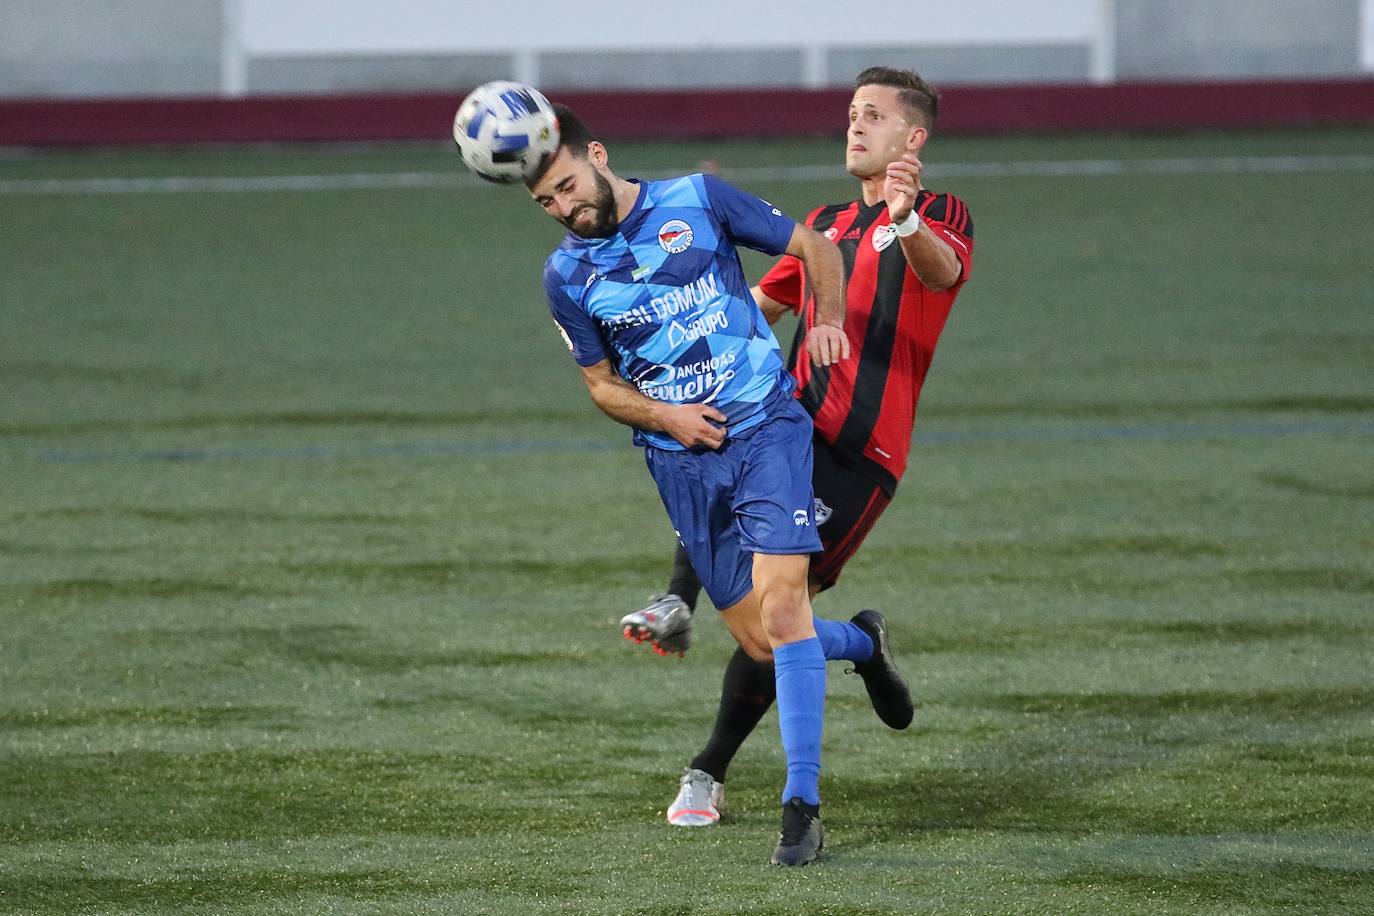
x: 572, y: 131
x: 915, y: 93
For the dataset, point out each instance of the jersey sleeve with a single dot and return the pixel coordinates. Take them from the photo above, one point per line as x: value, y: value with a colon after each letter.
x: 949, y: 219
x: 578, y: 328
x: 783, y: 282
x: 748, y: 220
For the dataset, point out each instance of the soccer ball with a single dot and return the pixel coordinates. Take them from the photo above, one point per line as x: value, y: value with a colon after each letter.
x: 504, y: 130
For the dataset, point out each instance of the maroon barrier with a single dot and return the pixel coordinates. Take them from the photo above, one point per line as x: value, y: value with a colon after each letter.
x: 713, y: 113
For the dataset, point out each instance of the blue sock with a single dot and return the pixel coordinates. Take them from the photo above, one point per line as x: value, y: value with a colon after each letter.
x: 799, y: 668
x: 842, y: 639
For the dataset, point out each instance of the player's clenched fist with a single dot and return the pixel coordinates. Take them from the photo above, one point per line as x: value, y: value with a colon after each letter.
x: 900, y: 185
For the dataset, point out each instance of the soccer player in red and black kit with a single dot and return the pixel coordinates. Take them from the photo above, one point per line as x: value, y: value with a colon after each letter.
x: 907, y: 253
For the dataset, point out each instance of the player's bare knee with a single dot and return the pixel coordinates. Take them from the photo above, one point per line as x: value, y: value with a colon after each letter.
x: 788, y: 628
x: 785, y: 611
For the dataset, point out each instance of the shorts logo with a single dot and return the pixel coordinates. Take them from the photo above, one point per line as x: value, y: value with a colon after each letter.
x: 823, y: 512
x: 883, y: 236
x: 799, y: 518
x: 675, y: 236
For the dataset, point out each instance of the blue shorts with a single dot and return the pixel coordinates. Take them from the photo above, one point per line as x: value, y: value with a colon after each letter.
x: 752, y: 495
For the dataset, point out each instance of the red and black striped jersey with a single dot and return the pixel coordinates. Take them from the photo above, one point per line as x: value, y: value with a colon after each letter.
x: 865, y: 406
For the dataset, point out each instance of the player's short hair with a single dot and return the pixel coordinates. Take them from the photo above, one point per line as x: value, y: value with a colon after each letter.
x: 919, y: 97
x: 572, y: 131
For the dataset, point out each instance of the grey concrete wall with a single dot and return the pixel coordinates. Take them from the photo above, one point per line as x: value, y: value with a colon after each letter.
x: 1207, y: 39
x: 703, y: 68
x: 390, y: 73
x: 951, y: 65
x: 664, y: 70
x: 54, y: 48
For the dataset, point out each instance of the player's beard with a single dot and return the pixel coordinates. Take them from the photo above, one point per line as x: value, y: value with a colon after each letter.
x: 602, y: 206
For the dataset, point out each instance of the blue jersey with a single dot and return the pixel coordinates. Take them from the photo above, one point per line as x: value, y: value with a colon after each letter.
x: 665, y: 300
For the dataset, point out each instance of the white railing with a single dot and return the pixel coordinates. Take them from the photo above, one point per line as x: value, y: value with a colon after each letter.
x: 255, y: 29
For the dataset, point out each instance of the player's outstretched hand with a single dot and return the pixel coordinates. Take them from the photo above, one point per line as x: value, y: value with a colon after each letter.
x: 694, y: 425
x: 900, y: 185
x: 827, y: 345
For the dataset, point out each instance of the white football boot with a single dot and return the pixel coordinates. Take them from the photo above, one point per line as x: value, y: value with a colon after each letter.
x: 698, y: 801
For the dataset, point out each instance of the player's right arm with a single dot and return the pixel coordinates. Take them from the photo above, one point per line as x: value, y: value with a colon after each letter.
x: 692, y: 425
x: 936, y: 264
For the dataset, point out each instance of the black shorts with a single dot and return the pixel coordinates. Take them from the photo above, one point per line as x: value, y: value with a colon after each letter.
x: 848, y: 503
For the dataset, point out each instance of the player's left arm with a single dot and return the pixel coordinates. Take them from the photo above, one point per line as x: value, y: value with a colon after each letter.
x: 772, y: 309
x: 931, y: 258
x: 758, y: 224
x: 826, y: 342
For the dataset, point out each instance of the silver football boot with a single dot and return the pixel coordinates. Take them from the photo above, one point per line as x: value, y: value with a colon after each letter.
x: 666, y: 624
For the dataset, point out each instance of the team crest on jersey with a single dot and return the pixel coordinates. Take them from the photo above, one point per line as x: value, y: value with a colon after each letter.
x: 883, y: 236
x: 831, y: 233
x: 675, y: 236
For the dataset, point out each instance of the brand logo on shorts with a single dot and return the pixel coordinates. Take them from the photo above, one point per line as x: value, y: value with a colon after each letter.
x: 823, y: 512
x: 799, y: 518
x: 675, y: 236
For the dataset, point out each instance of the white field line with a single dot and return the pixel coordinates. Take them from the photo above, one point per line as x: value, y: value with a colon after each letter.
x: 1061, y: 168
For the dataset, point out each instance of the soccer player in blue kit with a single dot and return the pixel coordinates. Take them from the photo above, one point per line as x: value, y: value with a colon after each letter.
x: 649, y: 293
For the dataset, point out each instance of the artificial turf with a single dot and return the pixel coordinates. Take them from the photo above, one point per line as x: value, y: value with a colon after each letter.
x: 312, y: 544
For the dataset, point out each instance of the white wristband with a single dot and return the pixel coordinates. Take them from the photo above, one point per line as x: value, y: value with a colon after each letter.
x: 911, y: 225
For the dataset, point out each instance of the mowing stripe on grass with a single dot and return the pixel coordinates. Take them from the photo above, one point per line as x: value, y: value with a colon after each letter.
x: 1071, y: 168
x: 351, y: 450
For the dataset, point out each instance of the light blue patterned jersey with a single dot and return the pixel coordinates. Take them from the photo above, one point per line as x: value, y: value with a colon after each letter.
x: 665, y: 300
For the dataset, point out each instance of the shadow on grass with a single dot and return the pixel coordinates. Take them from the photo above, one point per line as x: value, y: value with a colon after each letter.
x: 1165, y: 765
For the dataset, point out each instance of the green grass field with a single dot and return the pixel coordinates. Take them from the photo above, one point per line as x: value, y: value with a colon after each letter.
x: 311, y: 547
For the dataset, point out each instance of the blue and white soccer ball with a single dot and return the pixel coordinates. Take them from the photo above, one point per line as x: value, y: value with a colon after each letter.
x: 504, y: 130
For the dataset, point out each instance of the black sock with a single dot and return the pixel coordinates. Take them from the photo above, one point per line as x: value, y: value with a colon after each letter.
x: 684, y: 583
x: 748, y: 691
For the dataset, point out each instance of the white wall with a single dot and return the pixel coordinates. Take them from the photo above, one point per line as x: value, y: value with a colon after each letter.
x: 300, y: 30
x: 294, y: 27
x: 798, y: 42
